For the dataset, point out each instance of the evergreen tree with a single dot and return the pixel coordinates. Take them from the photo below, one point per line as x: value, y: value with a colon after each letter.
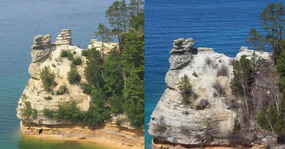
x: 185, y: 88
x: 113, y: 77
x: 273, y: 22
x: 117, y: 17
x: 104, y: 33
x: 93, y: 70
x: 133, y: 53
x: 136, y: 15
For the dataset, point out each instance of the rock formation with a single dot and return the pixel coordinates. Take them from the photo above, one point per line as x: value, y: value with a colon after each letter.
x: 210, y: 74
x: 43, y: 54
x: 64, y: 38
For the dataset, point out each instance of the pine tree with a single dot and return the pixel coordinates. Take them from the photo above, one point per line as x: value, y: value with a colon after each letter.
x: 104, y: 33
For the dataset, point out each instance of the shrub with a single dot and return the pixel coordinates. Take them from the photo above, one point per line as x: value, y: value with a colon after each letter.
x: 66, y: 53
x: 28, y: 111
x: 84, y: 52
x: 73, y: 75
x: 35, y: 113
x: 236, y: 125
x: 202, y: 104
x: 77, y: 61
x: 186, y: 89
x: 86, y: 88
x: 50, y: 114
x: 24, y: 97
x: 119, y: 122
x: 194, y: 74
x: 48, y: 98
x: 224, y: 71
x: 69, y: 112
x: 47, y: 78
x: 62, y: 90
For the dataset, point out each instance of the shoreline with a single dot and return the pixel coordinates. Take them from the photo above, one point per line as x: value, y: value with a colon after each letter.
x: 109, y: 135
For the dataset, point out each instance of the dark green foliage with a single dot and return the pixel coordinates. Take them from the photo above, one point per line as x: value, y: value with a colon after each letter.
x: 68, y: 112
x: 62, y: 90
x: 84, y: 52
x: 133, y: 53
x: 93, y: 69
x: 119, y: 122
x: 113, y: 76
x: 273, y: 22
x: 200, y: 107
x: 236, y: 125
x: 77, y: 61
x: 186, y: 89
x: 47, y: 77
x: 73, y: 75
x: 256, y: 40
x: 194, y: 74
x: 116, y: 103
x: 50, y: 114
x: 66, y: 53
x: 104, y: 33
x: 118, y: 17
x: 35, y: 113
x: 97, y: 112
x: 136, y: 15
x: 243, y: 77
x: 266, y: 120
x: 135, y: 112
x: 28, y: 111
x: 48, y: 98
x: 86, y: 88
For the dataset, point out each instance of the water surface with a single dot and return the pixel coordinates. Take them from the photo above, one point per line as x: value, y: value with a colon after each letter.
x: 20, y: 21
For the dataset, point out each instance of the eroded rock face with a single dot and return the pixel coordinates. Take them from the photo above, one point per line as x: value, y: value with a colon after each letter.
x: 181, y: 53
x: 43, y: 54
x: 180, y: 123
x: 64, y: 38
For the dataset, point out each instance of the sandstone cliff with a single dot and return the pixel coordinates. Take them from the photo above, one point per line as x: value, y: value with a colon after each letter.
x: 44, y: 53
x: 210, y: 74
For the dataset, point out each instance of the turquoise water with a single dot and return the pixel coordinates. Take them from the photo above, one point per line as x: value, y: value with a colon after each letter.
x: 20, y: 21
x: 219, y: 24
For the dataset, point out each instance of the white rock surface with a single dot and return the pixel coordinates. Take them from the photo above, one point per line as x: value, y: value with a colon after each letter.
x: 175, y: 122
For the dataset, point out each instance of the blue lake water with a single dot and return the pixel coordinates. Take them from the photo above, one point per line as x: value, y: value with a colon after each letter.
x: 219, y: 24
x: 20, y: 21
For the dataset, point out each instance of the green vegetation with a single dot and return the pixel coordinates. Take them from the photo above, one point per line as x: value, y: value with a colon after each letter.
x: 28, y: 111
x: 62, y: 90
x: 77, y: 61
x: 243, y: 77
x: 236, y: 125
x: 119, y: 122
x: 195, y: 74
x: 67, y: 53
x: 73, y: 75
x: 186, y: 89
x: 47, y: 77
x: 48, y: 98
x: 49, y: 113
x: 104, y: 33
x: 86, y: 88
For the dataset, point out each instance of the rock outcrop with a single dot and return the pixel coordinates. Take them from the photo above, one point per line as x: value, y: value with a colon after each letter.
x: 43, y: 54
x: 208, y: 119
x: 64, y: 38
